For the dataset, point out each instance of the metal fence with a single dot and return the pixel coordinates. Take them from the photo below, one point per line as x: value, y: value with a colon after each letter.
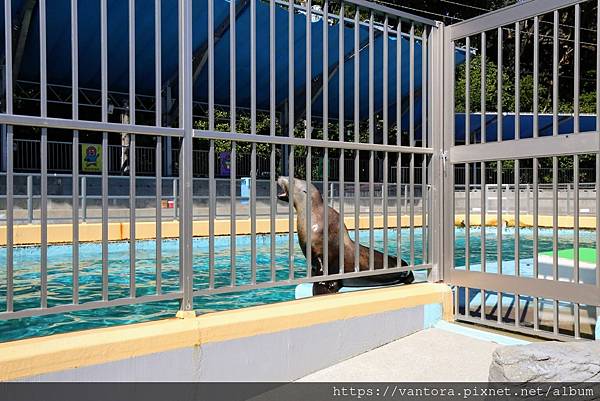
x: 411, y: 130
x: 367, y: 29
x: 519, y: 282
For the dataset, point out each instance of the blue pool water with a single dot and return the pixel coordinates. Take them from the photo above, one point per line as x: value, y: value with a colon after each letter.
x: 27, y: 278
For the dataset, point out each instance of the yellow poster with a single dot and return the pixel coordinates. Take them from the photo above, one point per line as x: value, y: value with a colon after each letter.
x: 91, y: 158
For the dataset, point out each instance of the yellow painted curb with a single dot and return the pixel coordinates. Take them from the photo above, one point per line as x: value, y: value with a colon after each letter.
x: 30, y: 234
x: 25, y: 358
x: 526, y: 220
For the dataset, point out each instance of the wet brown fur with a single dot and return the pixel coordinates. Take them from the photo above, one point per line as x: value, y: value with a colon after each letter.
x: 317, y: 235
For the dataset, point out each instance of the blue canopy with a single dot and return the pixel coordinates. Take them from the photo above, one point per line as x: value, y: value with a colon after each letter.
x: 59, y: 54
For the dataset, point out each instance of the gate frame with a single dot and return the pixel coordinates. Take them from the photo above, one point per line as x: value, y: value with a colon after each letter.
x: 557, y: 145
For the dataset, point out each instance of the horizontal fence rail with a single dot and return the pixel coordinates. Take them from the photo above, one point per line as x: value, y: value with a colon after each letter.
x: 176, y: 148
x: 525, y: 183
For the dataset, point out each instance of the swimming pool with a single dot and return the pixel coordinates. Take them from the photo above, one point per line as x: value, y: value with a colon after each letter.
x: 27, y: 279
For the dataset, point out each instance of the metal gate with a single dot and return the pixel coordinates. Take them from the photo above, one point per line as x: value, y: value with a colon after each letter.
x: 396, y: 102
x: 512, y: 269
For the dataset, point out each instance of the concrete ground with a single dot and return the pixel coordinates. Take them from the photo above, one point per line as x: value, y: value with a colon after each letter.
x: 447, y: 353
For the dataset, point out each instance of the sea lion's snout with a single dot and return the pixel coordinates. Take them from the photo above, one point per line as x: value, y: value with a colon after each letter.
x: 283, y: 183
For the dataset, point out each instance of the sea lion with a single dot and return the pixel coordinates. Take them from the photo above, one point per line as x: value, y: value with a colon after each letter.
x: 300, y: 193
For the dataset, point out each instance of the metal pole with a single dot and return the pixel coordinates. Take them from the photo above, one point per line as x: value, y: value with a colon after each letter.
x: 29, y: 199
x: 104, y: 179
x: 132, y: 155
x: 186, y: 122
x: 43, y: 160
x: 341, y: 133
x: 75, y: 148
x: 159, y: 140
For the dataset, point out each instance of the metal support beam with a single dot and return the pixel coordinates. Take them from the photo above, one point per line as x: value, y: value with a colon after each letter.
x: 23, y: 34
x: 200, y: 56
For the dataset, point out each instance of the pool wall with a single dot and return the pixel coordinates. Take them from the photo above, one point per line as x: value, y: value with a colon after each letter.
x: 30, y: 234
x: 275, y: 342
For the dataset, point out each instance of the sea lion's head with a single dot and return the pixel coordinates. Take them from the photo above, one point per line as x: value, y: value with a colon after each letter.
x: 300, y: 191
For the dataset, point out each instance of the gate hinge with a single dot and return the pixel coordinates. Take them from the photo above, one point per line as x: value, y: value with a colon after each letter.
x: 444, y: 158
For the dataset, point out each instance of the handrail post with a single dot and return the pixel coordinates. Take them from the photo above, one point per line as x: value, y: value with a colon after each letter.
x: 29, y: 199
x: 84, y: 199
x: 186, y: 167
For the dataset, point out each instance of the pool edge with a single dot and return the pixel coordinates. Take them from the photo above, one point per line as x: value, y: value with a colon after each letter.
x: 40, y: 356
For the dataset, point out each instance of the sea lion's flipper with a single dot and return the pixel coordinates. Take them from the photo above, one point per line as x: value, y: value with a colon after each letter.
x: 326, y: 287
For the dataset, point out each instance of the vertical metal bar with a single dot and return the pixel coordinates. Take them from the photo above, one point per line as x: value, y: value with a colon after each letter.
x: 535, y: 239
x: 211, y: 62
x: 104, y: 185
x: 483, y: 217
x: 132, y: 155
x: 272, y: 105
x: 468, y: 91
x: 9, y: 158
x: 555, y: 238
x: 399, y: 139
x: 499, y: 92
x: 411, y: 108
x: 342, y: 128
x: 499, y: 223
x: 555, y: 106
x: 158, y: 123
x: 308, y: 134
x: 576, y: 233
x: 517, y: 83
x: 75, y: 149
x: 43, y: 161
x: 576, y: 218
x: 233, y: 191
x: 326, y: 136
x: 186, y: 122
x: 385, y: 141
x: 253, y: 132
x: 356, y: 138
x: 597, y: 153
x: 291, y: 126
x: 371, y: 141
x: 232, y: 128
x: 577, y: 63
x: 212, y: 193
x: 555, y: 218
x: 83, y: 199
x: 442, y: 176
x: 424, y: 125
x: 212, y: 215
x: 517, y: 237
x: 536, y: 69
x: 467, y: 216
x: 555, y: 77
x: 483, y: 86
x: 30, y: 199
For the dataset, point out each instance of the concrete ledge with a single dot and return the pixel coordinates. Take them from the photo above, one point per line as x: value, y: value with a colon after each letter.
x: 30, y: 234
x: 367, y: 319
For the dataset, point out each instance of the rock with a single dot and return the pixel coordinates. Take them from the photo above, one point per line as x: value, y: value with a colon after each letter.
x: 547, y: 361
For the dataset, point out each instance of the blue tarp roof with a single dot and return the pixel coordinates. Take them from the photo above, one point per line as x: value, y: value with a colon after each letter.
x: 565, y: 125
x: 59, y: 53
